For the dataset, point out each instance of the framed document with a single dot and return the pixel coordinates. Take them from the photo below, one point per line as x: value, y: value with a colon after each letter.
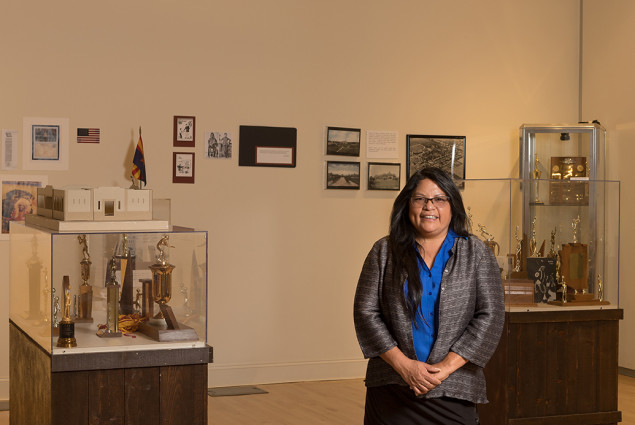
x: 184, y: 131
x: 183, y: 167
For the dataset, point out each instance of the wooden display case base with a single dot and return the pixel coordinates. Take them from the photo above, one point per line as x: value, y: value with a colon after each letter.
x: 554, y: 368
x: 160, y: 387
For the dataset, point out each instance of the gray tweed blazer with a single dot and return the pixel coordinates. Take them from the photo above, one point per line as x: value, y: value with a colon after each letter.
x: 471, y: 317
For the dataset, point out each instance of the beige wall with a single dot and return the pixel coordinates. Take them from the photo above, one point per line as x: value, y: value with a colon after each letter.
x: 608, y: 94
x: 284, y: 254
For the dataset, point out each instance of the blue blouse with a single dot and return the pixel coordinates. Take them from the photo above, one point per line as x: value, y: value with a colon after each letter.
x: 426, y: 327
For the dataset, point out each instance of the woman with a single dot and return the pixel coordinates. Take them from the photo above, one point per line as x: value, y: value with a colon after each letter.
x: 429, y: 310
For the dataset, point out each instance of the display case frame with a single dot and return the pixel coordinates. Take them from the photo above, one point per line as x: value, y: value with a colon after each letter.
x: 41, y: 257
x: 560, y: 164
x: 497, y: 212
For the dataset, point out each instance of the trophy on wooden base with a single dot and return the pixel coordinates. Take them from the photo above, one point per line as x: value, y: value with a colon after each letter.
x: 85, y: 289
x: 112, y: 304
x: 519, y: 289
x: 66, y: 326
x: 574, y: 271
x: 167, y: 328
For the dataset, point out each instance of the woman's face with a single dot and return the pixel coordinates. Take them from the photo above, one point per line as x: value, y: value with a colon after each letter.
x: 430, y: 218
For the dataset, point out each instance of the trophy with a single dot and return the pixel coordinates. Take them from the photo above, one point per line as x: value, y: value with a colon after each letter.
x: 112, y: 303
x: 488, y: 239
x: 35, y: 269
x: 600, y: 289
x: 574, y: 266
x: 162, y: 278
x: 552, y: 250
x: 537, y: 173
x: 127, y: 264
x: 66, y: 326
x: 56, y: 309
x: 166, y: 328
x: 85, y: 290
x: 564, y: 290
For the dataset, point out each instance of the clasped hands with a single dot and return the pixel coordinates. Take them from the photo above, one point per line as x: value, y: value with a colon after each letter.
x: 422, y: 377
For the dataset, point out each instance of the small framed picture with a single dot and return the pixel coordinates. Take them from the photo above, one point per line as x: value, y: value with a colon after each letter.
x: 342, y: 175
x: 444, y: 152
x: 19, y: 198
x: 343, y: 141
x: 184, y: 131
x: 384, y: 176
x: 183, y: 167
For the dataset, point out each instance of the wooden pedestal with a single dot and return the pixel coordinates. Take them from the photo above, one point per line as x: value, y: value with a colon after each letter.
x: 554, y: 368
x: 162, y: 387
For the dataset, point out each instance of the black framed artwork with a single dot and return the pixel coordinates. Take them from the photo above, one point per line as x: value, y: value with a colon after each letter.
x: 384, y: 176
x: 342, y: 175
x: 444, y: 152
x: 343, y: 141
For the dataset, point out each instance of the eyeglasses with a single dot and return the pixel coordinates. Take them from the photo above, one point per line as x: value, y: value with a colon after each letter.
x: 422, y: 201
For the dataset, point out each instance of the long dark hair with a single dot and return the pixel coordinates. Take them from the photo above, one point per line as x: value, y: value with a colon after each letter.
x: 402, y: 232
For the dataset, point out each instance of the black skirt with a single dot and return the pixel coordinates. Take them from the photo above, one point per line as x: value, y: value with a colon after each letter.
x: 397, y: 405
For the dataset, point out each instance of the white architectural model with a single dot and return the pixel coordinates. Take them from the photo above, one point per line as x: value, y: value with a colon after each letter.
x: 95, y: 204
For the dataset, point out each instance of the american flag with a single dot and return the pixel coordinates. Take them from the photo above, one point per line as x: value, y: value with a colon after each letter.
x: 87, y: 135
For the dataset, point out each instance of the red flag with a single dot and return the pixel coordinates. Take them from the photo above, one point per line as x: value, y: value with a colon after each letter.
x: 139, y: 162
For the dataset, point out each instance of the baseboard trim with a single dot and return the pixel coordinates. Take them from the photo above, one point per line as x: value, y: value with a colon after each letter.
x: 4, y: 405
x: 626, y: 372
x: 255, y: 374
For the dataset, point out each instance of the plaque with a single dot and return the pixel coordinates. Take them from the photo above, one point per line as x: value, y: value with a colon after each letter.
x: 519, y: 292
x: 542, y: 270
x: 569, y: 191
x: 574, y: 267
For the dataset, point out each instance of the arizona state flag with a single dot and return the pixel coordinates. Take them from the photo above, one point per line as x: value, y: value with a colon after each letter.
x: 139, y: 162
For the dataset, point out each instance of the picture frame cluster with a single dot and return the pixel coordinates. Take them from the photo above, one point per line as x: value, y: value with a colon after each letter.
x: 344, y: 141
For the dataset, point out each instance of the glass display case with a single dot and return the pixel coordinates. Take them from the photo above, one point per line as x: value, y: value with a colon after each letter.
x: 576, y: 244
x: 90, y: 279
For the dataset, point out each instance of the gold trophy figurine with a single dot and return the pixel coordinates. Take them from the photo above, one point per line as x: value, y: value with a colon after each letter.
x: 574, y: 226
x: 564, y: 291
x: 66, y: 326
x: 518, y: 250
x: 533, y: 245
x: 85, y: 290
x: 552, y: 250
x: 600, y: 289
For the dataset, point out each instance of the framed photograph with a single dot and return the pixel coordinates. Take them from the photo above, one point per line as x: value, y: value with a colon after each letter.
x: 184, y: 131
x: 19, y: 198
x: 342, y: 175
x: 218, y: 144
x: 343, y: 141
x: 45, y: 144
x: 444, y: 152
x: 384, y: 176
x: 183, y: 167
